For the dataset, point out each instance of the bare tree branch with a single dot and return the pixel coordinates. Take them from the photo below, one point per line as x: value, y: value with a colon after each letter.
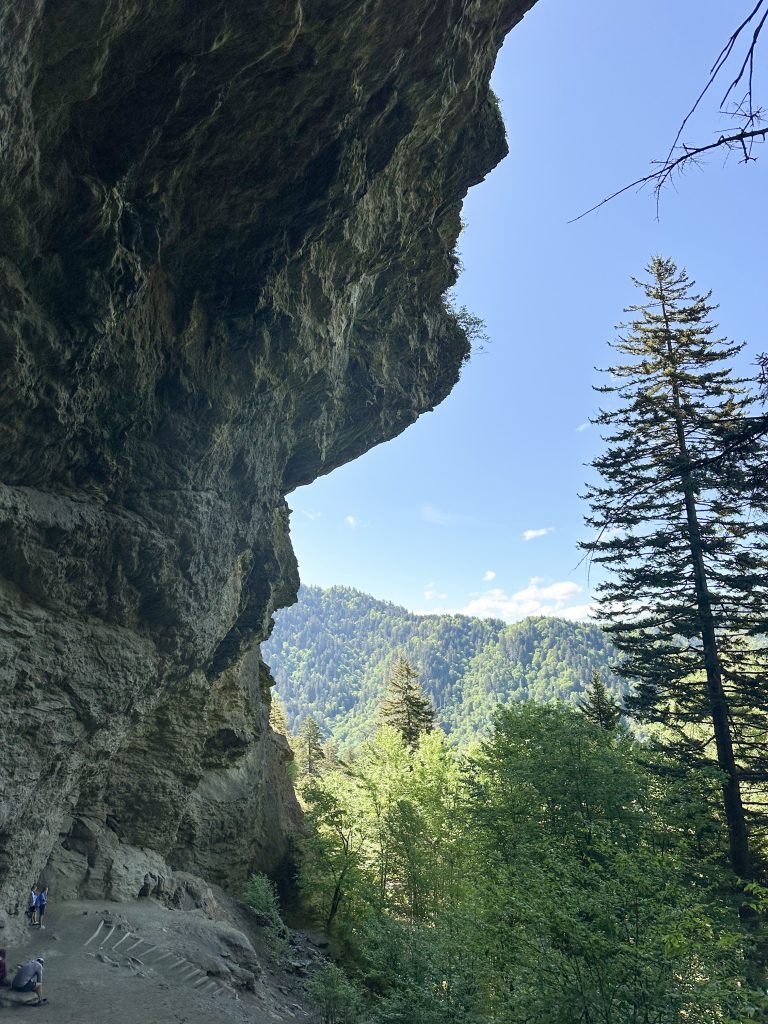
x: 742, y: 140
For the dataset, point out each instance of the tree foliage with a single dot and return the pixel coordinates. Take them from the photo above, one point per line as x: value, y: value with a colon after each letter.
x: 309, y: 747
x: 599, y: 704
x: 685, y: 596
x: 334, y: 994
x: 278, y: 720
x: 331, y: 653
x: 543, y: 878
x: 405, y: 706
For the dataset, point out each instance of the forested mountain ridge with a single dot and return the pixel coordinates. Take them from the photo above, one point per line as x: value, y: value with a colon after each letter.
x: 331, y: 652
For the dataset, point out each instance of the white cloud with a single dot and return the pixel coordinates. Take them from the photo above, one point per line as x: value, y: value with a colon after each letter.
x: 577, y: 612
x: 352, y: 521
x: 308, y: 513
x: 535, y: 599
x: 583, y: 426
x: 431, y: 514
x: 530, y: 534
x: 488, y: 576
x: 557, y: 592
x: 434, y: 595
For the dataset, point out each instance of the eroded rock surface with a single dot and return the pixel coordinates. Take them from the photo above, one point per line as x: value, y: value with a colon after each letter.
x: 225, y: 233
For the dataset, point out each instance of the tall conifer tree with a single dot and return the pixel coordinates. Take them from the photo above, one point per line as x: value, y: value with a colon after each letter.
x: 309, y: 744
x: 687, y: 585
x: 406, y: 706
x: 599, y: 705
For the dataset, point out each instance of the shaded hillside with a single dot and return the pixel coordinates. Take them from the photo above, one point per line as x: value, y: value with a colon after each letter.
x: 331, y: 652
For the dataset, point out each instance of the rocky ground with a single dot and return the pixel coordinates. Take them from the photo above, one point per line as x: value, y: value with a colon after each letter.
x: 145, y: 962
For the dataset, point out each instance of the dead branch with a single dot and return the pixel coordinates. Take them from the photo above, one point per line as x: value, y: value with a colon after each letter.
x: 752, y: 131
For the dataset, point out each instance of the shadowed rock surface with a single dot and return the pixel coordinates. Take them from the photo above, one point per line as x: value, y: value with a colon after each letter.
x: 225, y: 233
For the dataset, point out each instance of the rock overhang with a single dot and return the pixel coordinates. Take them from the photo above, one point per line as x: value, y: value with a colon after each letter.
x: 226, y: 233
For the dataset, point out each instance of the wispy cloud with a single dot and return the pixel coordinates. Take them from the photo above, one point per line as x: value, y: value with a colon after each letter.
x: 432, y: 514
x: 352, y: 521
x: 578, y: 612
x: 434, y: 595
x: 309, y: 513
x: 535, y: 599
x: 489, y: 575
x: 583, y: 426
x: 531, y: 534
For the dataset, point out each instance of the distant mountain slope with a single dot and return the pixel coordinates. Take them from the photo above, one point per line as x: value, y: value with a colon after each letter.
x: 331, y: 652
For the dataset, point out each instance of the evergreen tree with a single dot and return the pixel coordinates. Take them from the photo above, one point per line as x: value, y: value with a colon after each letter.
x: 687, y: 587
x: 599, y: 704
x: 406, y: 707
x: 331, y: 754
x: 277, y: 718
x: 309, y: 747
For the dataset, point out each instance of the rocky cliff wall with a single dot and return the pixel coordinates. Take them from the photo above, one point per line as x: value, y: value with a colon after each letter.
x: 226, y: 228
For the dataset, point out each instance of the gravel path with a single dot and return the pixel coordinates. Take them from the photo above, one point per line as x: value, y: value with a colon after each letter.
x: 145, y: 963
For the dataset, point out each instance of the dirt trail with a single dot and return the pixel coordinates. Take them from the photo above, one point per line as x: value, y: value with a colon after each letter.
x: 120, y: 963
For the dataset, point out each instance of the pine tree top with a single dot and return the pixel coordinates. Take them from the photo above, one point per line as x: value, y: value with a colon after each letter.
x: 599, y: 705
x: 406, y: 706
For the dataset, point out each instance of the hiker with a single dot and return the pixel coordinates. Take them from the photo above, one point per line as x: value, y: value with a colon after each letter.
x: 29, y: 978
x: 2, y: 968
x: 31, y: 910
x: 42, y: 899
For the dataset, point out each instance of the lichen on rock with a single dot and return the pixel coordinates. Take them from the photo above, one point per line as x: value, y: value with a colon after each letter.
x: 226, y: 231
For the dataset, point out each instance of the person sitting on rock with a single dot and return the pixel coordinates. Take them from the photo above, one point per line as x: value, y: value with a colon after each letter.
x: 29, y: 978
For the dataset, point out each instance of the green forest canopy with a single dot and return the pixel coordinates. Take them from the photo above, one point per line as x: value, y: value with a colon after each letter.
x: 330, y: 655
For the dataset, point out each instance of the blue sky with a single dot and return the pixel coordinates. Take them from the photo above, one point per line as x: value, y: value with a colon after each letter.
x: 475, y: 508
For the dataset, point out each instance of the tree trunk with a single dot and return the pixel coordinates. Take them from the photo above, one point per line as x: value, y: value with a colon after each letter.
x: 738, y: 840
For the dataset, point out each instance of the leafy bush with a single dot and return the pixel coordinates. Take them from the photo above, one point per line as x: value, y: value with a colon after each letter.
x: 261, y: 895
x: 336, y: 997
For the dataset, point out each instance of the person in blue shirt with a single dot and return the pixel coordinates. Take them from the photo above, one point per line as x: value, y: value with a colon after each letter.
x: 42, y: 899
x: 32, y: 905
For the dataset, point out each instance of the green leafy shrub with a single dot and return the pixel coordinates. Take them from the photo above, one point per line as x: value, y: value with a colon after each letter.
x: 335, y: 996
x: 261, y: 895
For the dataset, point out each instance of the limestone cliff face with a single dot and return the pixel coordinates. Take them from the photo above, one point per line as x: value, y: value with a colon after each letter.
x: 225, y: 231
